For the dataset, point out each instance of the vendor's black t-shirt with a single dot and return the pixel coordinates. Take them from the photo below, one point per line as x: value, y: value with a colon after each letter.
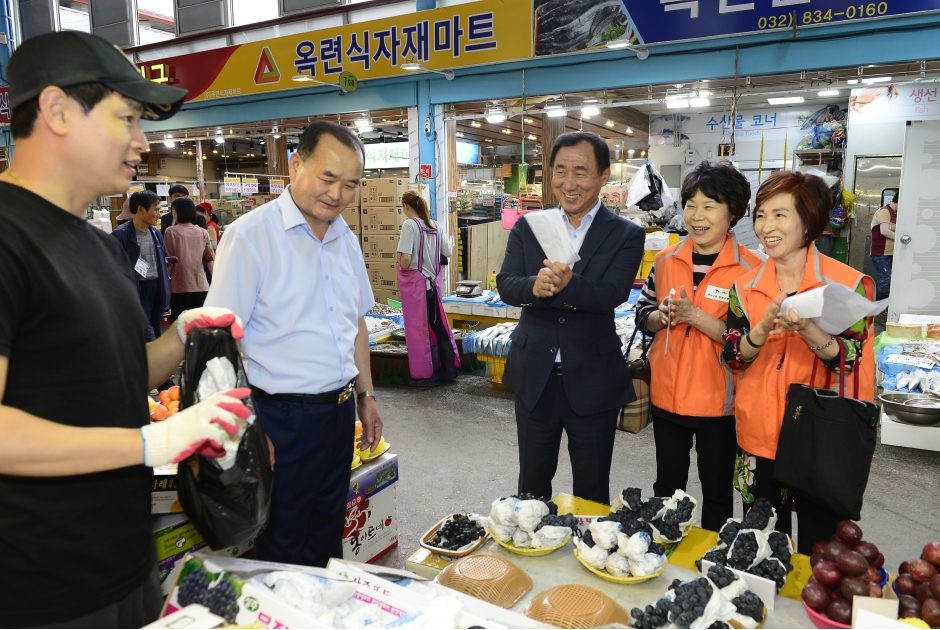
x: 73, y: 330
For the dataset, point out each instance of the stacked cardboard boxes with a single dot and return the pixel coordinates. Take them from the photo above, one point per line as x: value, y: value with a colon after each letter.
x: 380, y: 219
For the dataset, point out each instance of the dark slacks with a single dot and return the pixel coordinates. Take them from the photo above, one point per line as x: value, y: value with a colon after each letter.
x: 180, y: 302
x: 814, y: 522
x: 442, y: 350
x: 590, y: 445
x: 313, y: 450
x: 716, y: 445
x: 141, y: 607
x: 149, y: 299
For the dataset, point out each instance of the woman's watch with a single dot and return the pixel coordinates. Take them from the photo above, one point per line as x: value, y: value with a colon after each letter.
x: 362, y: 395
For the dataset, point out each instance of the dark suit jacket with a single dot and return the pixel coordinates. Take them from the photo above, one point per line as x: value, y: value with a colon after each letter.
x: 166, y: 220
x: 126, y: 234
x: 579, y: 320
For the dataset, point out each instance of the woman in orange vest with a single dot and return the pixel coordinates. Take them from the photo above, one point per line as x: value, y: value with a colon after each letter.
x: 691, y: 389
x: 779, y: 349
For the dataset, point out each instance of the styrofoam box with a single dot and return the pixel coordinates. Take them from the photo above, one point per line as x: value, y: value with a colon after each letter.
x: 514, y: 312
x: 488, y: 311
x: 899, y: 434
x: 458, y: 308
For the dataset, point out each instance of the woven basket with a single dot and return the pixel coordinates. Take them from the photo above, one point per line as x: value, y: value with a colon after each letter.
x: 490, y: 578
x: 576, y: 606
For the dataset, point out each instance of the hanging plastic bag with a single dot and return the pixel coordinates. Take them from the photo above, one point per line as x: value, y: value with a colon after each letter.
x: 229, y: 506
x: 639, y: 188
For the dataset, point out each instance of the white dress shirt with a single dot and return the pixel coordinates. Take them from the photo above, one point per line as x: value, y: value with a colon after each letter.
x: 299, y: 298
x: 577, y: 235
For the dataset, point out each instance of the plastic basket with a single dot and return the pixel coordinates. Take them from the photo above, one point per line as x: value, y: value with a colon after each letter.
x: 493, y: 579
x: 604, y: 575
x: 576, y: 606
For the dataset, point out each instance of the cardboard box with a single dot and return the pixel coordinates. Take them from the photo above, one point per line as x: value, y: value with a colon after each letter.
x: 371, y: 510
x: 351, y: 215
x: 382, y: 296
x: 909, y: 435
x: 380, y: 247
x: 382, y: 275
x: 164, y: 498
x: 514, y: 312
x: 193, y: 616
x: 381, y: 220
x: 383, y: 192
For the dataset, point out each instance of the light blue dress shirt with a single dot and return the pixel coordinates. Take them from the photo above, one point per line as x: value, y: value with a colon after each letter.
x: 577, y: 235
x: 299, y: 298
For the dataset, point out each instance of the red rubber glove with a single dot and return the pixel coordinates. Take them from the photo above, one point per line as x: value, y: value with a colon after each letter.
x: 208, y: 317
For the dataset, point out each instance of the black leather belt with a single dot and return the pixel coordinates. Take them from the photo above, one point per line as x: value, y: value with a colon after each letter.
x: 556, y: 370
x: 339, y: 396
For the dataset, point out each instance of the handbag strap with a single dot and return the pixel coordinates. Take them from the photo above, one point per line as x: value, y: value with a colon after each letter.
x: 641, y: 324
x: 842, y: 366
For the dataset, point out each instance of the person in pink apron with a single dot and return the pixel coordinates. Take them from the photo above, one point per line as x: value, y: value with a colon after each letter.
x: 432, y: 353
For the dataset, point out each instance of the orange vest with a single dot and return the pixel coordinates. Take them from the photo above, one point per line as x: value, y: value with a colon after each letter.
x: 692, y: 379
x: 785, y: 359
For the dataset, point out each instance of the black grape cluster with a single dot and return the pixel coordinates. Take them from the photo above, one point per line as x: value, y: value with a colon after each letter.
x: 458, y: 532
x: 651, y: 508
x: 632, y: 498
x: 656, y: 548
x: 743, y: 552
x: 220, y: 599
x: 716, y: 555
x: 670, y: 525
x: 758, y: 516
x: 750, y: 605
x: 669, y: 531
x: 690, y: 601
x: 629, y: 522
x: 780, y: 546
x: 526, y: 496
x: 719, y: 624
x: 728, y: 531
x: 568, y: 520
x: 771, y: 570
x: 588, y: 539
x: 722, y: 576
x: 655, y: 616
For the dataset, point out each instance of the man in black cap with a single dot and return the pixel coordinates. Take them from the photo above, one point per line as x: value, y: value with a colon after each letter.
x: 76, y: 447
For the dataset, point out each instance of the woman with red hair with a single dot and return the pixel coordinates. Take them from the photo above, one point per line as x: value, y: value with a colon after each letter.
x: 772, y: 350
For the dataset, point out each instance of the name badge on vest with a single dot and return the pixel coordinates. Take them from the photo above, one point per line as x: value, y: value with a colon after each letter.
x: 717, y: 293
x: 142, y: 268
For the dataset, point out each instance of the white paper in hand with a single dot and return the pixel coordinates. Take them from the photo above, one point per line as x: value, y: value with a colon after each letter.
x: 834, y: 307
x: 549, y: 229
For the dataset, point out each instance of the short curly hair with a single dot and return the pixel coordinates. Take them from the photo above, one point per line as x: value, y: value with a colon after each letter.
x: 811, y: 197
x: 723, y: 183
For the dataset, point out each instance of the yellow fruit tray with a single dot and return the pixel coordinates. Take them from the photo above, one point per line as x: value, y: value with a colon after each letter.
x: 528, y: 551
x: 356, y: 462
x: 372, y: 458
x: 604, y: 575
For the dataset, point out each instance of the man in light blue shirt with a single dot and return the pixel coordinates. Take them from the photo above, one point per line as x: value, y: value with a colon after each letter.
x: 293, y: 271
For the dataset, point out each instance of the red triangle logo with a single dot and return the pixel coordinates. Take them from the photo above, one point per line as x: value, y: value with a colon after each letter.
x: 267, y: 71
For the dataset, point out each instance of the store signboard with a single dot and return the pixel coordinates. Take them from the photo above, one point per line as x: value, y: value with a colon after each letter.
x: 276, y: 186
x: 4, y: 106
x: 471, y: 34
x: 715, y: 127
x: 387, y: 155
x: 250, y: 186
x: 232, y: 185
x: 556, y: 31
x: 890, y: 103
x: 135, y: 187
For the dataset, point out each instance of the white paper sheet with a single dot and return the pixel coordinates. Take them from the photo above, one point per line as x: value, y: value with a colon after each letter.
x: 549, y: 229
x: 834, y: 307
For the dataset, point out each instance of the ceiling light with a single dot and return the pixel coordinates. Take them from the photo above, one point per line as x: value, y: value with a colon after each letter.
x: 555, y: 111
x: 871, y: 80
x: 699, y: 102
x: 786, y: 100
x: 677, y: 103
x: 412, y: 66
x: 528, y: 121
x: 531, y: 137
x: 852, y: 81
x: 619, y: 43
x: 460, y: 134
x: 366, y: 129
x: 676, y: 97
x: 495, y: 118
x: 489, y: 140
x: 628, y: 131
x: 642, y: 153
x: 507, y: 131
x: 609, y: 123
x: 475, y: 124
x: 829, y: 93
x: 215, y: 151
x: 704, y: 93
x: 362, y: 122
x: 168, y: 141
x: 631, y: 151
x: 590, y: 110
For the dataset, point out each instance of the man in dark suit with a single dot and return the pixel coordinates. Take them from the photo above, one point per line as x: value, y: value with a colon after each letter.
x: 175, y: 192
x: 565, y: 363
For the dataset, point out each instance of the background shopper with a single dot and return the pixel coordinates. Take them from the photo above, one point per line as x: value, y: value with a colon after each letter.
x: 883, y: 226
x: 567, y: 326
x: 776, y: 349
x: 432, y: 352
x: 691, y: 389
x: 75, y: 479
x: 293, y: 271
x: 190, y: 244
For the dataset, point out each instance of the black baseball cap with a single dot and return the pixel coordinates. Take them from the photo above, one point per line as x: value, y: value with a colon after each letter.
x: 68, y: 58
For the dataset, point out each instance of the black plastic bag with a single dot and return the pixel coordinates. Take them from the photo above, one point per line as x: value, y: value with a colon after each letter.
x: 228, y: 507
x: 654, y: 200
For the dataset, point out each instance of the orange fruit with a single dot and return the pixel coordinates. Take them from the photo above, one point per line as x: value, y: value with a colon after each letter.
x: 358, y: 428
x: 174, y: 392
x: 164, y: 396
x: 173, y: 404
x: 172, y: 413
x: 159, y: 413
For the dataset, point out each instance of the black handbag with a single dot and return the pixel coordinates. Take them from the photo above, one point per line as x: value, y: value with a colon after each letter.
x: 635, y: 416
x: 826, y: 445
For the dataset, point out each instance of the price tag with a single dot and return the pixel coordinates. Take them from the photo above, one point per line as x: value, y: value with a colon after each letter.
x: 277, y: 186
x: 142, y: 268
x: 903, y: 359
x: 250, y: 186
x: 233, y: 184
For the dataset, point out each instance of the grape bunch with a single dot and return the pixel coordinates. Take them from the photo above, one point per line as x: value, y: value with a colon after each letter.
x: 690, y: 601
x: 632, y: 498
x: 743, y: 552
x: 588, y: 538
x: 656, y: 548
x: 716, y: 554
x: 721, y: 576
x: 759, y: 515
x: 655, y: 616
x: 651, y: 508
x: 780, y: 546
x: 771, y: 569
x: 458, y: 532
x: 728, y: 531
x: 670, y: 525
x: 222, y: 600
x: 629, y: 522
x: 193, y: 588
x: 668, y: 531
x: 568, y: 520
x: 719, y: 624
x: 750, y: 605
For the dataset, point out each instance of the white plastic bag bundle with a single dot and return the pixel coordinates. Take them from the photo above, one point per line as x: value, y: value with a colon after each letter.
x: 501, y: 511
x: 634, y: 547
x: 605, y: 533
x: 550, y: 536
x: 522, y: 538
x: 441, y: 613
x: 503, y: 533
x: 617, y: 565
x: 355, y: 614
x: 746, y: 621
x: 649, y: 564
x: 528, y: 514
x: 595, y: 556
x: 302, y: 590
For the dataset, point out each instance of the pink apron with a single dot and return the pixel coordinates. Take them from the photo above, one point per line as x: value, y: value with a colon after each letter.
x: 419, y: 336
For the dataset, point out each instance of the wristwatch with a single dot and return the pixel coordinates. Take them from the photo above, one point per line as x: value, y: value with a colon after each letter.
x: 362, y: 395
